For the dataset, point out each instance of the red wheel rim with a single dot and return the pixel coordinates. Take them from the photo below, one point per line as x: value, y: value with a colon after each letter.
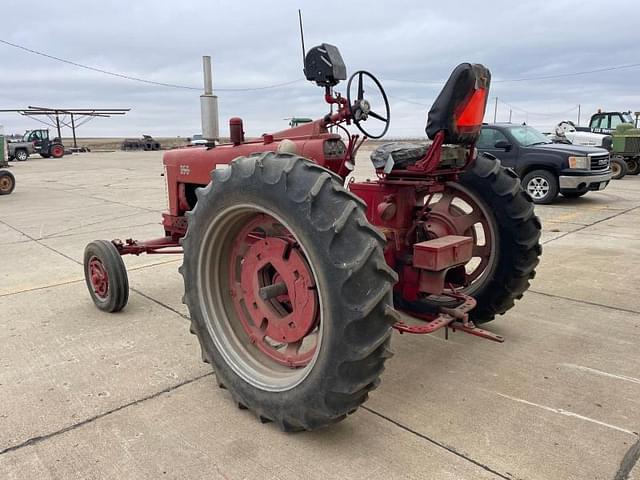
x: 274, y: 292
x: 57, y: 151
x: 5, y: 183
x: 458, y: 212
x: 99, y: 278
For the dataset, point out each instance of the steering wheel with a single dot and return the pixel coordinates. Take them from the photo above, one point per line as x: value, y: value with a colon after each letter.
x: 361, y: 109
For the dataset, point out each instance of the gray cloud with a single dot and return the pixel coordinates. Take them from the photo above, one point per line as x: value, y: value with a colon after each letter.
x: 256, y: 43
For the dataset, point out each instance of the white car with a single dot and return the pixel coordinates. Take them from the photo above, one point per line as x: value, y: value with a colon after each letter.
x: 197, y: 139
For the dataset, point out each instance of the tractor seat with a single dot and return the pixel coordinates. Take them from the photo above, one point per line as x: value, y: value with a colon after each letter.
x: 405, y: 154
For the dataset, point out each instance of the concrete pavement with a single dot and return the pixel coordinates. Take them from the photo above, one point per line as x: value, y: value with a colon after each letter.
x: 90, y: 395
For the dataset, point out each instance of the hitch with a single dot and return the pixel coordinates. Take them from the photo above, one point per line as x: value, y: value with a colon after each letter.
x: 455, y: 318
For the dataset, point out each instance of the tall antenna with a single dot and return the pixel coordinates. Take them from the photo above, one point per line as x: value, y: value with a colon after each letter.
x: 304, y: 51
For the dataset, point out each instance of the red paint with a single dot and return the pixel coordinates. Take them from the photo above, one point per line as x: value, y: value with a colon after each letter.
x: 276, y: 325
x: 99, y: 278
x: 397, y: 203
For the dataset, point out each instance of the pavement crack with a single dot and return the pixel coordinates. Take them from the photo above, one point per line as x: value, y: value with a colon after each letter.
x: 41, y: 438
x: 629, y: 461
x: 168, y: 307
x: 586, y: 302
x: 440, y: 444
x: 40, y: 243
x: 590, y: 225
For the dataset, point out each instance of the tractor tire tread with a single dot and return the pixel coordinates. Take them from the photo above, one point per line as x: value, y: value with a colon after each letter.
x: 359, y: 288
x: 117, y: 272
x: 520, y: 229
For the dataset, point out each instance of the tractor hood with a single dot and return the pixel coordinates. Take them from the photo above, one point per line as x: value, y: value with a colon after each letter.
x: 568, y: 149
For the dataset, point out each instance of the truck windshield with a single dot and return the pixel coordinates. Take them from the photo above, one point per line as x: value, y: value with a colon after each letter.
x: 527, y: 136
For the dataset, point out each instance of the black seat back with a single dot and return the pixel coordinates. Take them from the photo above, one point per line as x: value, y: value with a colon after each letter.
x: 459, y: 109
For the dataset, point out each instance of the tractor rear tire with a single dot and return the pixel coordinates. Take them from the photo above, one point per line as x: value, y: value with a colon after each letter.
x: 518, y: 232
x: 327, y: 231
x: 7, y: 182
x: 618, y: 168
x: 106, y: 276
x: 633, y: 166
x: 57, y: 151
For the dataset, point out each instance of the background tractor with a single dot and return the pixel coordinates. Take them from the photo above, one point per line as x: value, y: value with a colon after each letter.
x: 295, y: 276
x: 7, y: 180
x: 146, y: 143
x: 45, y: 146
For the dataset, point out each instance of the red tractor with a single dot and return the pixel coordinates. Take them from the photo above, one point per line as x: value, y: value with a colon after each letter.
x: 295, y: 276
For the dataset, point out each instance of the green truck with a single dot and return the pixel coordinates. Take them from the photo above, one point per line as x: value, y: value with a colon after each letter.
x: 625, y: 133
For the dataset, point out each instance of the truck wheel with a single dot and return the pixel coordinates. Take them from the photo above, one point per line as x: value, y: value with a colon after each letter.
x: 7, y: 182
x: 21, y: 155
x: 633, y: 166
x: 106, y: 276
x: 542, y: 186
x: 618, y: 168
x: 57, y: 151
x: 288, y: 290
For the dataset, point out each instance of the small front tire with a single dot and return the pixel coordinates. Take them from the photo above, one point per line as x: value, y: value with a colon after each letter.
x: 106, y: 276
x: 7, y: 182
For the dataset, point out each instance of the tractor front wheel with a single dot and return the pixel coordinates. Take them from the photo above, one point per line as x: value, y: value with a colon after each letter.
x: 106, y: 276
x: 7, y: 182
x: 288, y: 290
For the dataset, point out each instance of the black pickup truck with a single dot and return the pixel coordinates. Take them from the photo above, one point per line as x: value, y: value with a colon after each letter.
x: 546, y: 168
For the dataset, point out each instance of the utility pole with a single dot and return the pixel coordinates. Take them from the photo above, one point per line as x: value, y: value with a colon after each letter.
x: 58, y: 126
x: 73, y: 129
x: 578, y: 114
x: 510, y: 112
x: 495, y: 111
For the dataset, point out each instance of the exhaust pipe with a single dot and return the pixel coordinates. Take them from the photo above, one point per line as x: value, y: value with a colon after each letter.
x: 209, y: 106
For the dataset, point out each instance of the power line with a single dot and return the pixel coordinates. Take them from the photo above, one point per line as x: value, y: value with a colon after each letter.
x: 527, y: 79
x: 571, y: 74
x: 142, y: 80
x: 546, y: 114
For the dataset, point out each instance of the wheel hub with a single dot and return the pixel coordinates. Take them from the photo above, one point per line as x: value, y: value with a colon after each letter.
x: 5, y: 184
x: 274, y: 295
x: 99, y: 278
x: 448, y: 217
x: 538, y: 187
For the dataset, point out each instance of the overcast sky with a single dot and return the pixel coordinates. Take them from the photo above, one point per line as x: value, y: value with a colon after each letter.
x: 256, y: 43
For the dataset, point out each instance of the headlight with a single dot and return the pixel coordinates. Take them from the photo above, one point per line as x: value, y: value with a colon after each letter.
x: 583, y: 163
